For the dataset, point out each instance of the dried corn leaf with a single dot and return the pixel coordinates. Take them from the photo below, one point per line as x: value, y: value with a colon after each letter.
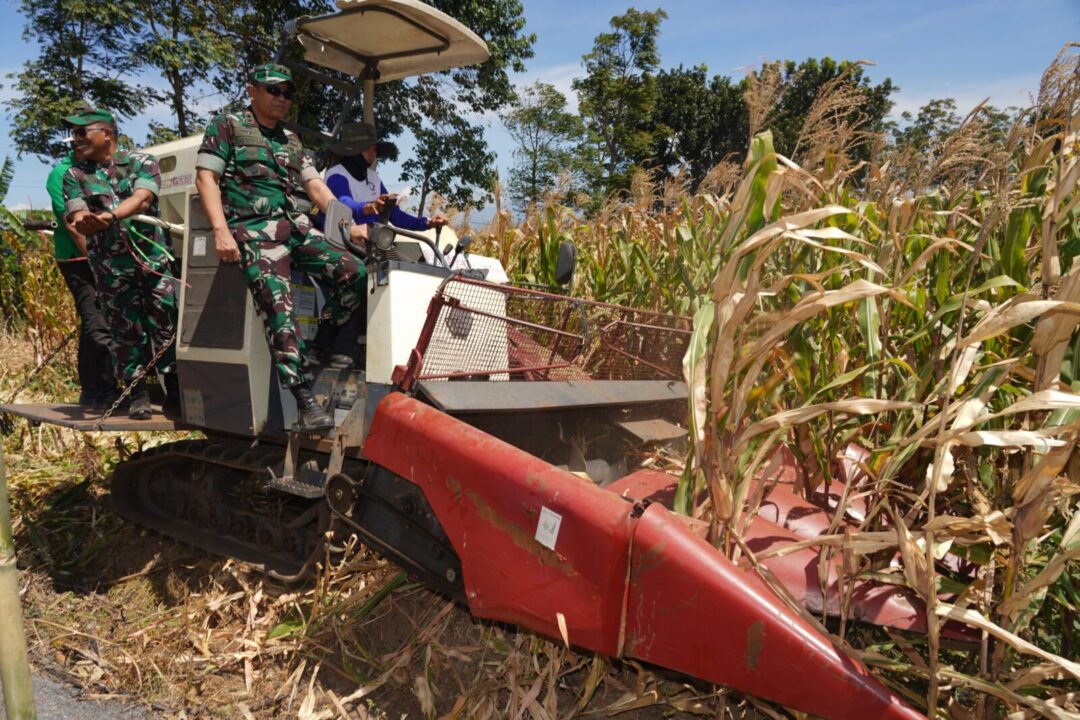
x: 914, y: 566
x: 695, y: 366
x: 1072, y: 531
x: 633, y: 701
x: 1046, y: 577
x: 809, y: 307
x: 422, y: 691
x: 854, y: 406
x: 940, y: 472
x: 1042, y: 400
x: 1038, y: 439
x: 858, y: 257
x: 1034, y: 483
x: 592, y: 681
x: 1057, y: 329
x: 1003, y: 693
x: 788, y: 224
x: 1005, y: 317
x: 960, y: 370
x: 978, y: 620
x: 1063, y: 700
x: 924, y: 257
x: 1036, y: 675
x: 561, y: 619
x: 994, y: 526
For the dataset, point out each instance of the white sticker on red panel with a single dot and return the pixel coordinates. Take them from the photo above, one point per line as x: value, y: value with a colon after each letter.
x: 547, y: 530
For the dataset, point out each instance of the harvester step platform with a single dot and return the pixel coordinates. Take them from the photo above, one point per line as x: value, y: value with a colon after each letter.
x: 78, y: 417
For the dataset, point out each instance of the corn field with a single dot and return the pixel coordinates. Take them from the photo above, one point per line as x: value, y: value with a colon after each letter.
x: 922, y: 307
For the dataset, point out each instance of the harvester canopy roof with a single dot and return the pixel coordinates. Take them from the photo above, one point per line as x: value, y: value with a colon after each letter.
x: 400, y: 38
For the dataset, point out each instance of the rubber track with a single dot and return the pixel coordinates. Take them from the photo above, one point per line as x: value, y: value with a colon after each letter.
x: 237, y: 456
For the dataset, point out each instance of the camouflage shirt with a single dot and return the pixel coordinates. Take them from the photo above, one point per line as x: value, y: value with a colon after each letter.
x: 262, y: 171
x: 94, y: 187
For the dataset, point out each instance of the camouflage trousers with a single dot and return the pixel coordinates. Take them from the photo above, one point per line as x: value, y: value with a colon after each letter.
x: 138, y: 299
x: 269, y: 249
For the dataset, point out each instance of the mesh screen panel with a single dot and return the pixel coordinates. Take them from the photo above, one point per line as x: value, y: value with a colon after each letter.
x: 484, y: 331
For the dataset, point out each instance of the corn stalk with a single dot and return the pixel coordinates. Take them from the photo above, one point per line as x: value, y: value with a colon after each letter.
x: 14, y: 667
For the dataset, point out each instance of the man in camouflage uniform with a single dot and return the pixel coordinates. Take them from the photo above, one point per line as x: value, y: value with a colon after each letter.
x: 253, y: 176
x: 132, y: 268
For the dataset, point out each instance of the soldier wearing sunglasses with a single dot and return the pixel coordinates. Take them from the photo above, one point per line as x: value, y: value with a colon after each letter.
x: 133, y: 270
x: 253, y: 178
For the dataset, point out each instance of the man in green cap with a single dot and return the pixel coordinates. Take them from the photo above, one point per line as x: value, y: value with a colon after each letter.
x: 94, y: 359
x: 131, y: 264
x: 254, y: 179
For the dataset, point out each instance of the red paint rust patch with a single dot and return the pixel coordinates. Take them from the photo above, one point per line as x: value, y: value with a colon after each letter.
x: 455, y: 489
x: 755, y: 641
x: 519, y: 537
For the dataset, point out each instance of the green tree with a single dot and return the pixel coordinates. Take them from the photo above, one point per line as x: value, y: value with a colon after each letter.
x: 700, y: 122
x: 95, y: 48
x: 87, y: 54
x: 253, y: 28
x: 800, y: 85
x: 544, y: 131
x: 452, y: 159
x: 434, y: 108
x: 452, y: 156
x: 934, y: 122
x: 617, y: 97
x: 181, y: 40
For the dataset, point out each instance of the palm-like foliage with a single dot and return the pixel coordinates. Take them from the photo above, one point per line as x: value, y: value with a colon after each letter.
x: 7, y: 174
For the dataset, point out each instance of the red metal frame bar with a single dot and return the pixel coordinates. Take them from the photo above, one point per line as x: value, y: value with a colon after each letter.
x: 511, y: 371
x: 512, y: 290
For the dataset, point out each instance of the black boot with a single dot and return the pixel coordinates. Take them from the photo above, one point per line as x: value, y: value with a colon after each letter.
x: 330, y: 346
x: 312, y: 416
x: 321, y: 346
x: 140, y: 403
x: 171, y: 406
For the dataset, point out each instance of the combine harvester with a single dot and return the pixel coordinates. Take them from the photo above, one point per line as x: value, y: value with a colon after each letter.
x: 491, y: 445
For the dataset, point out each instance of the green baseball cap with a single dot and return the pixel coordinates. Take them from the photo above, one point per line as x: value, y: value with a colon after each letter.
x: 86, y: 115
x: 271, y: 74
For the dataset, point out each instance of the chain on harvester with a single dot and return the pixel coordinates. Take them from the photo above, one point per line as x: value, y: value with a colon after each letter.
x: 134, y: 382
x: 126, y: 392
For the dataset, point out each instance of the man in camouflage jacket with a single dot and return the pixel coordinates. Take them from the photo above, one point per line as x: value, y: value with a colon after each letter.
x: 254, y: 178
x: 132, y: 267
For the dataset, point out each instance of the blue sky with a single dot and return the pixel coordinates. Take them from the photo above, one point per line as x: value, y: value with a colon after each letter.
x: 965, y: 49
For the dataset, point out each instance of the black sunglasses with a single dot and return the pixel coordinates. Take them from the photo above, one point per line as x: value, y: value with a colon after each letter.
x: 83, y: 131
x: 278, y: 91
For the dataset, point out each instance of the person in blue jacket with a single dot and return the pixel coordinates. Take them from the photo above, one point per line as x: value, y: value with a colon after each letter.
x: 354, y: 181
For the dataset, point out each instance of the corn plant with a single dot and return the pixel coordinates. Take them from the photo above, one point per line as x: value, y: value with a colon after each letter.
x: 923, y: 308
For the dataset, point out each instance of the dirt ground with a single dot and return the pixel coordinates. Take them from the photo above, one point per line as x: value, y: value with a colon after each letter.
x: 121, y: 610
x: 124, y: 610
